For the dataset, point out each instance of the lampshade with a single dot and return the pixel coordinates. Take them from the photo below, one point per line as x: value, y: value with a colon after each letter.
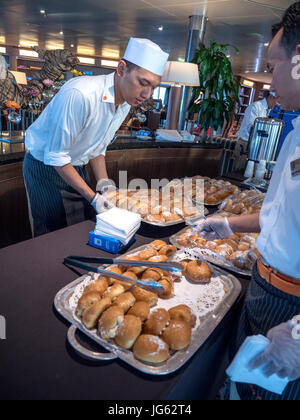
x: 183, y: 74
x: 20, y: 77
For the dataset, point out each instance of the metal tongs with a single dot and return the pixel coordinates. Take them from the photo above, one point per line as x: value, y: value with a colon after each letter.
x: 78, y: 261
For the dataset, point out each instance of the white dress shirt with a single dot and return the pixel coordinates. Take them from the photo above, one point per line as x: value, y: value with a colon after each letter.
x: 254, y: 110
x: 279, y: 241
x: 78, y: 124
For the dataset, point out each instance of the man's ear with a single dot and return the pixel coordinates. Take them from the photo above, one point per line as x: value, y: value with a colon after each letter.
x: 121, y: 69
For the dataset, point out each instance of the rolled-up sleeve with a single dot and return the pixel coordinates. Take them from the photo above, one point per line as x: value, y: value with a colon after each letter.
x: 68, y: 114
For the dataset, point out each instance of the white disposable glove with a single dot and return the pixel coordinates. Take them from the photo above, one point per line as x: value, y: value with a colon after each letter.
x: 105, y: 185
x: 282, y: 356
x: 100, y: 204
x: 213, y: 228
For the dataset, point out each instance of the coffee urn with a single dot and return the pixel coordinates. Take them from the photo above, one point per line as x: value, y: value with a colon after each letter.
x: 264, y: 142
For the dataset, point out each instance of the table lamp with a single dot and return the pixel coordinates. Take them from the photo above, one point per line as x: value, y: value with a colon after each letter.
x: 178, y: 74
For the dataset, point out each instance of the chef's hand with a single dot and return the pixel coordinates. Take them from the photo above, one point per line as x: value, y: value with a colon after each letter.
x: 282, y: 356
x: 100, y: 204
x: 105, y: 185
x: 213, y: 228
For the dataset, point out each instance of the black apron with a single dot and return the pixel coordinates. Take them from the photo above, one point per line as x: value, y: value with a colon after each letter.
x: 52, y: 203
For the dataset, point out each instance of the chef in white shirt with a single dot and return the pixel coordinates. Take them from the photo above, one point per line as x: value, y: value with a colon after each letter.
x: 257, y: 109
x: 272, y: 304
x: 75, y: 129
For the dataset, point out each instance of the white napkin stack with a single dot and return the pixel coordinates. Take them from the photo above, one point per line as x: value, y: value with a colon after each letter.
x: 168, y: 135
x: 174, y: 135
x: 118, y: 223
x: 239, y: 372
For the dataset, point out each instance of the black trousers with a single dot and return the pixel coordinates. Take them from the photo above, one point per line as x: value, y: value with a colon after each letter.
x: 52, y: 203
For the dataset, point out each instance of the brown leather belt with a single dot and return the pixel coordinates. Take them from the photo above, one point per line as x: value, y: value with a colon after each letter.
x: 280, y: 281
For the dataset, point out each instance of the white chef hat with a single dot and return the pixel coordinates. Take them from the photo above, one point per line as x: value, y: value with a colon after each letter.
x: 144, y: 53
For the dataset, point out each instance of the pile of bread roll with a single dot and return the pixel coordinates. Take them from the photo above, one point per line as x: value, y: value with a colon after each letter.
x: 121, y: 311
x: 153, y: 205
x: 215, y: 190
x: 245, y: 202
x: 239, y: 249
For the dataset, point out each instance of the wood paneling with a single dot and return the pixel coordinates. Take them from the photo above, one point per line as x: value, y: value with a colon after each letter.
x: 14, y: 221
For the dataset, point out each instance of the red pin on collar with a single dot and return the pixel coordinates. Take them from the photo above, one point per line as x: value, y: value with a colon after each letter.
x: 105, y: 97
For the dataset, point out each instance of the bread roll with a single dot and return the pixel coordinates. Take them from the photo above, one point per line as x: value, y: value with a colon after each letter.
x: 116, y: 270
x: 110, y: 322
x: 100, y: 285
x: 129, y: 258
x: 147, y: 253
x: 177, y: 335
x: 157, y: 322
x: 125, y: 301
x: 155, y: 218
x: 145, y: 295
x: 115, y: 291
x: 159, y: 258
x: 224, y: 250
x: 141, y: 310
x: 86, y: 300
x: 198, y: 271
x: 158, y: 244
x: 183, y: 313
x: 168, y: 250
x: 168, y: 285
x: 128, y: 332
x: 153, y: 274
x: 151, y: 349
x: 91, y: 315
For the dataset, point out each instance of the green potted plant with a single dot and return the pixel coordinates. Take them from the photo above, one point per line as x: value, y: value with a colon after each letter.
x: 217, y: 94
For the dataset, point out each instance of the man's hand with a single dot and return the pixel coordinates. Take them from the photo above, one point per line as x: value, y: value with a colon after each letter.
x: 105, y: 185
x: 282, y: 356
x: 213, y: 228
x: 100, y: 204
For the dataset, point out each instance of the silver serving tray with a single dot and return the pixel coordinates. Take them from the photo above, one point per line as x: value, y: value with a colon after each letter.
x: 176, y: 360
x: 221, y: 262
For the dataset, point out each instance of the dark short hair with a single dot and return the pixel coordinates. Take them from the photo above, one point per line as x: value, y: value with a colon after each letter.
x: 130, y: 66
x: 291, y: 28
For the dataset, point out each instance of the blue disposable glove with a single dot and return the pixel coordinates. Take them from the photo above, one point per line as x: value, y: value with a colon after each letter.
x: 282, y: 355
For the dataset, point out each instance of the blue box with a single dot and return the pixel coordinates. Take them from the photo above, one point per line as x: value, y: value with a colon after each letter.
x: 114, y: 246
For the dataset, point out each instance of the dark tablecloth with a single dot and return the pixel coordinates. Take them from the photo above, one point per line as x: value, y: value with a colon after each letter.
x: 38, y: 363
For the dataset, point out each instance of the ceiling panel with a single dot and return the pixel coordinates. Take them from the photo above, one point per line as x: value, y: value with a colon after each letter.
x: 99, y: 25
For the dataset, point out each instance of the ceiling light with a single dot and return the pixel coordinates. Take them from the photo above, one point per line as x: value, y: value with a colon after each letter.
x: 42, y: 11
x: 109, y: 63
x: 228, y: 56
x: 72, y: 45
x: 161, y: 28
x: 61, y: 33
x: 86, y: 60
x: 28, y: 53
x: 266, y: 44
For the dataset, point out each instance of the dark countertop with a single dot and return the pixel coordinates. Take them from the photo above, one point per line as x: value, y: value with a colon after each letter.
x: 15, y: 152
x: 38, y: 363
